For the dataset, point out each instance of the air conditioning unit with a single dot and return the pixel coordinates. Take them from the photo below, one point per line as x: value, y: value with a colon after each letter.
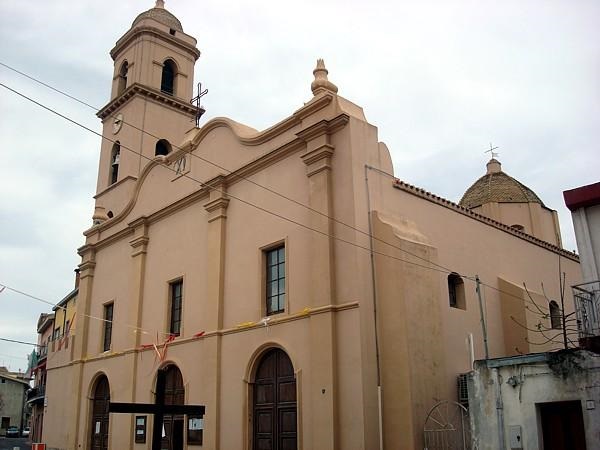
x: 463, y: 389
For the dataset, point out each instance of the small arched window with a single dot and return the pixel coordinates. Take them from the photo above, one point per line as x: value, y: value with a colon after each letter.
x: 162, y: 148
x: 555, y: 316
x: 167, y: 82
x: 456, y: 291
x: 122, y: 82
x: 115, y: 158
x: 517, y: 227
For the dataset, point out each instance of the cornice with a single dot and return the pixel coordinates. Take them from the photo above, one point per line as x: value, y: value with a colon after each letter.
x: 251, y: 326
x: 422, y: 193
x: 137, y: 31
x: 112, y: 186
x: 250, y: 137
x: 281, y: 152
x: 137, y: 89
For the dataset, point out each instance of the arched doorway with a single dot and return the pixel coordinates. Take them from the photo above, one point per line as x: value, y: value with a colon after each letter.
x: 100, y: 401
x: 274, y: 403
x: 170, y: 391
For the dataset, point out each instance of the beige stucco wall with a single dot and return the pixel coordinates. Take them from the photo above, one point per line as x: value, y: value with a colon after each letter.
x: 168, y: 226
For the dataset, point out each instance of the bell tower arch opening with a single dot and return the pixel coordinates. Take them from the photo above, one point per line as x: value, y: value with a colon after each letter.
x: 122, y: 77
x: 167, y: 81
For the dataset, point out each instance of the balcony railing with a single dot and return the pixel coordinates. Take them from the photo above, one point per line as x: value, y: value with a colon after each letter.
x: 42, y: 352
x: 587, y: 307
x: 36, y: 394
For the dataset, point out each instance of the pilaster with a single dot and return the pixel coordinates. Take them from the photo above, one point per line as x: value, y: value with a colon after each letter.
x: 80, y: 344
x: 317, y: 158
x: 216, y: 208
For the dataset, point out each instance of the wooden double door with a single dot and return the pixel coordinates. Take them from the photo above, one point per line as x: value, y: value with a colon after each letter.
x: 274, y: 400
x: 100, y: 416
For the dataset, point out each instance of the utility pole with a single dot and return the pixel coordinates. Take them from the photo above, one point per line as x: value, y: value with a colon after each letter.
x: 483, y: 326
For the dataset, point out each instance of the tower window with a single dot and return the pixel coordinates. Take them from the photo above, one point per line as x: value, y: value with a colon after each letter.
x: 456, y: 291
x: 162, y: 148
x: 114, y: 162
x: 555, y: 319
x: 122, y: 82
x: 167, y: 83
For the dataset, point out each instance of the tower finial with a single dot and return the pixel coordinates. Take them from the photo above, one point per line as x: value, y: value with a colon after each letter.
x: 321, y: 82
x: 160, y: 4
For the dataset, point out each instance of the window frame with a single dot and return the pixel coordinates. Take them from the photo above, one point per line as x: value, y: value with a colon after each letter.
x: 265, y: 267
x: 108, y: 325
x: 171, y: 309
x: 456, y: 291
x: 555, y: 315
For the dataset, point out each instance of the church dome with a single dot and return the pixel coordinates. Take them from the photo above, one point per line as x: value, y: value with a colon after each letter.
x: 496, y: 186
x: 161, y: 15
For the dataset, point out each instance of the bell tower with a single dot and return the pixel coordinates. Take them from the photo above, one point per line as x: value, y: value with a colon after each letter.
x: 149, y: 108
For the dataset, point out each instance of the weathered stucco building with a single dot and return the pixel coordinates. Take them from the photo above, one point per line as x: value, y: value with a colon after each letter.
x: 12, y: 400
x: 233, y: 268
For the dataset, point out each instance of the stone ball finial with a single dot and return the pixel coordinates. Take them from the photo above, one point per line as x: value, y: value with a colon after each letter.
x: 321, y: 82
x: 160, y: 4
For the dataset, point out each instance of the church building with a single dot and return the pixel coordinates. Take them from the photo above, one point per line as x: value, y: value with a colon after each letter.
x: 282, y: 289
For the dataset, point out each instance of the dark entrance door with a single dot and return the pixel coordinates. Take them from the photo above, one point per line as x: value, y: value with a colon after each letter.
x: 170, y: 391
x: 562, y: 426
x: 274, y: 403
x: 100, y: 401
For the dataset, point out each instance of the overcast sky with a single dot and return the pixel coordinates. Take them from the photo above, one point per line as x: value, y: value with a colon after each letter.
x: 440, y: 80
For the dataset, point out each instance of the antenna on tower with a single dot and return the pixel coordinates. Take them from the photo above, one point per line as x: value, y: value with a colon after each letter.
x: 492, y: 152
x: 196, y: 102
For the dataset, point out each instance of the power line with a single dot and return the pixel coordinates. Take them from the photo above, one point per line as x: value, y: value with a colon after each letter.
x: 208, y: 186
x: 20, y: 342
x: 247, y: 179
x: 441, y: 269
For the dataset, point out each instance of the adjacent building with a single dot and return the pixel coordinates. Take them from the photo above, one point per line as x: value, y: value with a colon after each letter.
x: 284, y: 279
x: 37, y: 394
x: 13, y: 386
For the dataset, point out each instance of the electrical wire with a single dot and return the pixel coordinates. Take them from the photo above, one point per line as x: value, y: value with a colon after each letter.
x: 441, y: 268
x: 212, y: 188
x: 247, y: 179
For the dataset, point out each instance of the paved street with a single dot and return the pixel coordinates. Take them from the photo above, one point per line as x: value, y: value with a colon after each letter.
x: 11, y: 443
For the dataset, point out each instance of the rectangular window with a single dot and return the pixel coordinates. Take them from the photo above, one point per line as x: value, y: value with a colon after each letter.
x: 176, y: 303
x: 275, y: 279
x: 108, y: 317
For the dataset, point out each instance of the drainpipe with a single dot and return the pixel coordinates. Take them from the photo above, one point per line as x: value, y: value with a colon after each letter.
x: 499, y: 410
x: 372, y: 255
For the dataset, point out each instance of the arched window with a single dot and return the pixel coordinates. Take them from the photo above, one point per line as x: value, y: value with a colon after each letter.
x: 456, y: 291
x: 555, y: 316
x: 167, y: 82
x: 274, y: 418
x: 100, y: 416
x: 122, y: 81
x: 115, y: 158
x: 162, y: 148
x: 517, y: 227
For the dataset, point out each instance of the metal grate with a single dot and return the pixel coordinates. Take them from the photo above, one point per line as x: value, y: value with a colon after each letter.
x: 463, y: 389
x: 587, y: 307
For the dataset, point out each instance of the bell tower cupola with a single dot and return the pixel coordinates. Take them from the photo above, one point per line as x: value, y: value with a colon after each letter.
x: 149, y: 109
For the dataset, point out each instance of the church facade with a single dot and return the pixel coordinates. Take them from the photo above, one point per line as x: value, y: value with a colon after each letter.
x: 284, y: 279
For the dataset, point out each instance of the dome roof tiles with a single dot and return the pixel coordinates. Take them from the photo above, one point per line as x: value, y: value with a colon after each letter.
x: 161, y: 15
x: 497, y: 186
